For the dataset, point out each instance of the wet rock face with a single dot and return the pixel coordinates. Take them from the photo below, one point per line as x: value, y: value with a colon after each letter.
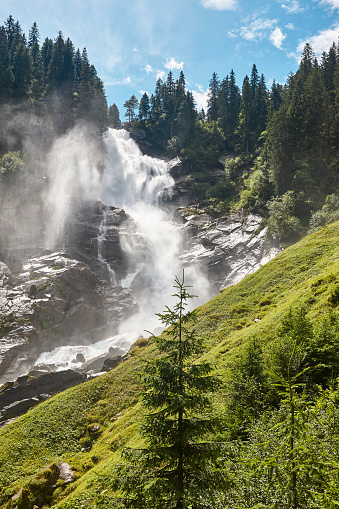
x: 54, y: 301
x: 92, y: 223
x: 227, y: 248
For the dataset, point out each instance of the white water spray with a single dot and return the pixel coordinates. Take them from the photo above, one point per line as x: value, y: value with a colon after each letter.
x: 139, y: 184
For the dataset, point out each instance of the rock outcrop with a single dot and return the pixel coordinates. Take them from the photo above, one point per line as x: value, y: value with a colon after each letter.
x: 96, y: 235
x: 227, y: 248
x: 55, y: 300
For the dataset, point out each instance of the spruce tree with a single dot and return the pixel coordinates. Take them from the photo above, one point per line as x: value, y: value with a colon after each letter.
x: 114, y: 117
x: 175, y: 469
x: 131, y: 105
x: 212, y: 102
x: 6, y: 74
x: 144, y: 107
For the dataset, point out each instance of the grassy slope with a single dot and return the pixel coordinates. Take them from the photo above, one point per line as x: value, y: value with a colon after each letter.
x: 56, y: 430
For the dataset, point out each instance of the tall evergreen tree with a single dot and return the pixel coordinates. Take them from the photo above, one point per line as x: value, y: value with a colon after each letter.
x: 6, y: 74
x: 260, y: 101
x: 254, y: 80
x: 144, y: 107
x: 223, y: 105
x: 175, y: 469
x: 246, y: 115
x: 131, y: 105
x: 275, y: 96
x: 212, y: 102
x: 46, y: 56
x: 77, y: 67
x: 10, y: 30
x: 180, y: 87
x: 234, y: 105
x: 56, y: 66
x: 22, y: 72
x: 114, y: 117
x: 33, y: 36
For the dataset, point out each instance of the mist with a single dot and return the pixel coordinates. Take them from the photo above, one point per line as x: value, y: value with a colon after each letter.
x: 81, y: 166
x: 74, y: 165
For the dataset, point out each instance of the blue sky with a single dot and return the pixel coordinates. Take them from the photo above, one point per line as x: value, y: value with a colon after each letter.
x: 132, y: 42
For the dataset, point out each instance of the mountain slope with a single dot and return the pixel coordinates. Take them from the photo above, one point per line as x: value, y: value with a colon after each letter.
x: 87, y: 425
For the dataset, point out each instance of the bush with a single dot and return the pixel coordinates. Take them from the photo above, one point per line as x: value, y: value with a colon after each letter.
x: 327, y: 214
x: 282, y: 220
x: 11, y: 165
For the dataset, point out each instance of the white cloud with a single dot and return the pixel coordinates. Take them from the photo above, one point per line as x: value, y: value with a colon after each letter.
x: 292, y: 6
x: 161, y: 75
x: 172, y: 64
x: 114, y: 82
x: 277, y: 38
x: 322, y: 41
x: 258, y: 29
x: 232, y: 34
x: 148, y: 69
x: 290, y: 26
x: 220, y: 5
x: 333, y: 4
x: 200, y: 96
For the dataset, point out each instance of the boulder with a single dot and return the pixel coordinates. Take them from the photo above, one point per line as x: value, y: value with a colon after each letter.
x: 17, y: 397
x: 65, y: 472
x: 111, y: 363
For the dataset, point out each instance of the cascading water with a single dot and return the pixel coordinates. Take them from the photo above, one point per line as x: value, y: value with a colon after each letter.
x: 140, y: 185
x: 101, y: 255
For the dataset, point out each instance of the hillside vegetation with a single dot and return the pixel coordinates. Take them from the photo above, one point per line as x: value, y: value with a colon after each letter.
x: 283, y: 315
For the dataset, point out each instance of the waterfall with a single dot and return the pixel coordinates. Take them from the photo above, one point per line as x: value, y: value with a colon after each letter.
x: 102, y: 234
x: 141, y: 185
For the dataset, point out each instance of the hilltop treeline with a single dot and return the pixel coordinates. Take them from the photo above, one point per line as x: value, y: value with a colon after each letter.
x: 51, y: 79
x: 281, y: 144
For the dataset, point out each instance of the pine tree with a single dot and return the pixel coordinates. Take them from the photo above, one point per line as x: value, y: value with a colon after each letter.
x: 234, y: 105
x: 22, y: 71
x: 275, y: 96
x: 223, y: 105
x: 10, y: 30
x: 212, y: 102
x: 33, y: 35
x: 144, y: 107
x: 131, y: 105
x: 180, y: 88
x: 56, y: 64
x: 175, y: 469
x: 254, y: 80
x: 114, y: 117
x: 246, y: 115
x: 77, y: 67
x: 6, y: 75
x: 46, y: 56
x: 260, y: 101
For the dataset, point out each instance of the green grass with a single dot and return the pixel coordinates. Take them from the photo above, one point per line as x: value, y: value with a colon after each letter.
x: 60, y: 428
